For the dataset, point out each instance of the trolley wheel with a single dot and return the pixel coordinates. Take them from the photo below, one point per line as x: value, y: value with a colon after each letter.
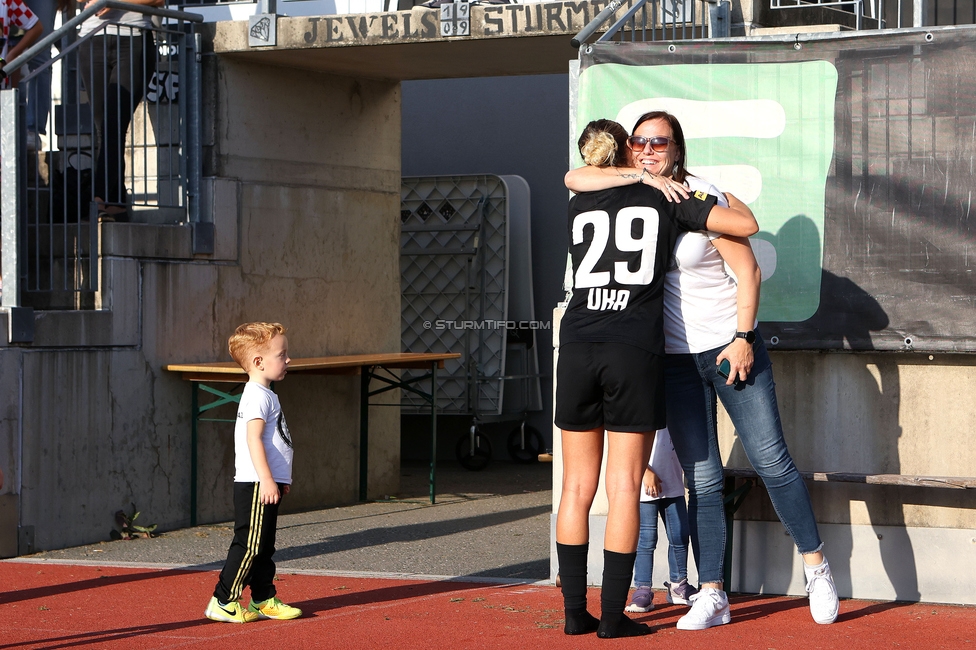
x: 476, y: 457
x: 527, y: 452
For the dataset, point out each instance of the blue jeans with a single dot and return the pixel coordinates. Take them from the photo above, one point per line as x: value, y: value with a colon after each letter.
x: 674, y: 514
x: 39, y: 91
x: 692, y: 384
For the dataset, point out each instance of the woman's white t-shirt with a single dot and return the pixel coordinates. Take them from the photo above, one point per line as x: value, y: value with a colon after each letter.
x: 258, y: 402
x: 700, y: 310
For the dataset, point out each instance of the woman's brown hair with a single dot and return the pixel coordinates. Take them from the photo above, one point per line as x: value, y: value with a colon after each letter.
x: 678, y: 172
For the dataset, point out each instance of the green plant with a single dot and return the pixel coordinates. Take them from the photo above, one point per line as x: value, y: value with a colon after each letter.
x: 128, y: 529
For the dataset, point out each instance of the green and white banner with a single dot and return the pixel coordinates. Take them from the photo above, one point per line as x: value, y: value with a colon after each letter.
x: 852, y: 152
x: 763, y: 131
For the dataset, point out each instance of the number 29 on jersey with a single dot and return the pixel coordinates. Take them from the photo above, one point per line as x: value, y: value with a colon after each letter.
x: 601, y: 253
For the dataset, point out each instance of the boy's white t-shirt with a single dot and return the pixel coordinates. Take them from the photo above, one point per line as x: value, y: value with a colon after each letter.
x: 700, y: 302
x: 664, y: 463
x: 258, y: 402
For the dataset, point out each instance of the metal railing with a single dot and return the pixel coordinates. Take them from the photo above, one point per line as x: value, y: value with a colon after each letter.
x: 658, y: 20
x: 948, y: 12
x: 897, y: 14
x: 119, y: 140
x: 859, y: 8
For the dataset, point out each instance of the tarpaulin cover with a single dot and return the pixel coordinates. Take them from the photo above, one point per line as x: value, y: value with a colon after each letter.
x: 856, y: 153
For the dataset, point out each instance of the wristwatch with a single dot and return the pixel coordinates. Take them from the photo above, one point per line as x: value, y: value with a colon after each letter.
x: 749, y: 336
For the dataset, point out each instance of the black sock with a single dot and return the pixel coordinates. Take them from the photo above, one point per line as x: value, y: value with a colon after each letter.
x: 622, y: 627
x: 572, y: 576
x: 580, y: 622
x: 618, y: 571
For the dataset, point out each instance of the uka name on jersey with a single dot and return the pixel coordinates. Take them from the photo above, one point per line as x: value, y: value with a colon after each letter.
x: 603, y: 299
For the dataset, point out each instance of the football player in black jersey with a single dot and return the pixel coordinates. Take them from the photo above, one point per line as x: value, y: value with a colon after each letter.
x: 610, y: 373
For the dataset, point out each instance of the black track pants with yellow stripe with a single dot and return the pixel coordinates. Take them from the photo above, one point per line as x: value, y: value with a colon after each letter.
x: 249, y: 560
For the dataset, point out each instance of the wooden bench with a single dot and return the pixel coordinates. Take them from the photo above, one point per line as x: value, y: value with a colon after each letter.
x: 904, y: 480
x: 367, y: 366
x: 734, y: 496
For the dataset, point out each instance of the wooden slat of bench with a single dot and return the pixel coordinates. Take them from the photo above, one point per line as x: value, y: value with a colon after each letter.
x: 337, y: 363
x: 906, y: 480
x: 228, y: 371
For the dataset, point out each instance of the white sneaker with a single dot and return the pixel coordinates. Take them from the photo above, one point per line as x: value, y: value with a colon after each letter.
x: 709, y: 607
x: 823, y: 594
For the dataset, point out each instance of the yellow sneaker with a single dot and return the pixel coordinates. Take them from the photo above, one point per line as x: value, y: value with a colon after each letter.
x: 229, y: 613
x: 273, y: 608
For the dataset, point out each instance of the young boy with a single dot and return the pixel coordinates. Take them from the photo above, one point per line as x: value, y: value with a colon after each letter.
x: 263, y: 459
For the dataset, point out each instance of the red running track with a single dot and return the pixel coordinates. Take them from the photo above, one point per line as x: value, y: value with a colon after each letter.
x: 82, y: 606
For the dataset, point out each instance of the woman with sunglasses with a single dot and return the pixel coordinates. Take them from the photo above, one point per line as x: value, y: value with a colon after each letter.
x: 710, y: 318
x: 610, y: 373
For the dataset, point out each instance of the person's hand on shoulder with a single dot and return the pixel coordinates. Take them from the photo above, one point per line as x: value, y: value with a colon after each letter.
x: 673, y: 190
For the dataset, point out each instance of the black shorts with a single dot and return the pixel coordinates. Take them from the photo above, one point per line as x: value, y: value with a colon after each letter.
x: 612, y: 386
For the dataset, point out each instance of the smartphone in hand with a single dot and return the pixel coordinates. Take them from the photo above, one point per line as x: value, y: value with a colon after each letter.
x: 725, y: 368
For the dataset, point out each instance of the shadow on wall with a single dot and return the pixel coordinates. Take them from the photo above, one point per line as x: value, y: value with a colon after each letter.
x: 845, y: 319
x: 849, y: 314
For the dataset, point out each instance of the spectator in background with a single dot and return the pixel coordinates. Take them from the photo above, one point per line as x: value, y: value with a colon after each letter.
x: 14, y: 13
x: 39, y: 93
x: 115, y: 66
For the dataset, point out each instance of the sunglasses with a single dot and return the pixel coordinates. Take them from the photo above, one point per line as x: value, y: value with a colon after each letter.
x: 659, y: 143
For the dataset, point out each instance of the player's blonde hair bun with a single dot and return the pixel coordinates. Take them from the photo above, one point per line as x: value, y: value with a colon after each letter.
x: 599, y: 149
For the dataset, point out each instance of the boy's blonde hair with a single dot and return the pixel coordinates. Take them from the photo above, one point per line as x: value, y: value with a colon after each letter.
x: 249, y: 337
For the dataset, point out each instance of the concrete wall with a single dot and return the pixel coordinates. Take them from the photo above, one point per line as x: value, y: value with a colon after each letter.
x: 9, y: 445
x: 304, y: 193
x: 890, y: 413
